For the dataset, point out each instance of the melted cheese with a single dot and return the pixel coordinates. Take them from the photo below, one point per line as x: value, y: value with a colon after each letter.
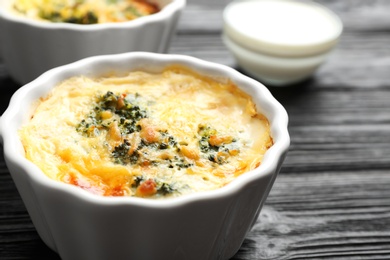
x: 84, y: 11
x: 146, y: 135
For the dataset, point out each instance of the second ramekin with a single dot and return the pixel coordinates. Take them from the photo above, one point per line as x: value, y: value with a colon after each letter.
x: 31, y: 47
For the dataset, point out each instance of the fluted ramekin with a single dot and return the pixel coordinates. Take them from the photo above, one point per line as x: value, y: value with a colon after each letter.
x: 79, y: 225
x: 30, y: 47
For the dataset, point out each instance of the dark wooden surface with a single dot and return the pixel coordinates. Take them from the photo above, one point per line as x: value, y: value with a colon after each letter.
x: 332, y: 197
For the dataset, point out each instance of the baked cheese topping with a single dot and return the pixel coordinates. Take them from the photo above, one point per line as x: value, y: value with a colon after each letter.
x: 146, y: 135
x: 85, y: 11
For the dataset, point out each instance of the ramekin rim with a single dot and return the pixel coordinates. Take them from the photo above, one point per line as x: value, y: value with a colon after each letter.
x: 166, y: 12
x: 269, y: 165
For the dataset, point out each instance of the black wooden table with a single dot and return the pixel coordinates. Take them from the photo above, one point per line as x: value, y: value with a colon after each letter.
x: 331, y: 199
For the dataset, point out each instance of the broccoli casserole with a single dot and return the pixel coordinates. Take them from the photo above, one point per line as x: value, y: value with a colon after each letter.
x: 85, y: 11
x: 144, y: 134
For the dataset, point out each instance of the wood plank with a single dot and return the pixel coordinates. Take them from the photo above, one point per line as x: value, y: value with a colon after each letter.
x: 356, y: 15
x: 325, y: 215
x: 360, y: 60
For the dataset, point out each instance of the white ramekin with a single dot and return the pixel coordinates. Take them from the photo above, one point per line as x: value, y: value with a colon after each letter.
x: 30, y: 47
x: 280, y: 42
x: 79, y: 225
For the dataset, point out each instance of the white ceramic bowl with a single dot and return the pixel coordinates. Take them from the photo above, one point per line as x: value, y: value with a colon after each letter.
x: 275, y: 70
x: 280, y: 42
x: 30, y: 47
x: 80, y: 225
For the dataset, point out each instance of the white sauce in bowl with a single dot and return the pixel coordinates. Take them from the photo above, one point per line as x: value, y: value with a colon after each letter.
x: 282, y: 27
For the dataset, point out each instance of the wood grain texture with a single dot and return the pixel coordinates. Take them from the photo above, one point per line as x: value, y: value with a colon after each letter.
x: 326, y: 215
x: 331, y: 199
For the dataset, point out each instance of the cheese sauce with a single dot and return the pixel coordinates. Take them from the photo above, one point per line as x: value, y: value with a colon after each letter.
x: 146, y: 135
x: 85, y: 11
